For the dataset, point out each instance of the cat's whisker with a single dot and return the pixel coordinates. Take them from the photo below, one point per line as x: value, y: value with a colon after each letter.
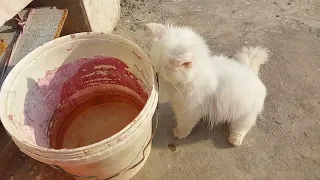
x: 176, y: 89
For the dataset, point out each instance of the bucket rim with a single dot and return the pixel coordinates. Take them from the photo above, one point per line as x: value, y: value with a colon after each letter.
x: 104, y: 144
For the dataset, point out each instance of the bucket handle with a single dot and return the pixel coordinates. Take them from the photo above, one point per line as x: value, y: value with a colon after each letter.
x: 123, y: 170
x: 73, y: 175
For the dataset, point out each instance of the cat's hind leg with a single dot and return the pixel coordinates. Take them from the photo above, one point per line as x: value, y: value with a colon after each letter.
x: 240, y: 127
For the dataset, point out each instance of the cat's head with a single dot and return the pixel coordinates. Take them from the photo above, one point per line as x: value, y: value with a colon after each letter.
x: 175, y: 52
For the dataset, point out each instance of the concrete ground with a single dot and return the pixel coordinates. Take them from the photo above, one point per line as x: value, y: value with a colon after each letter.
x: 285, y: 143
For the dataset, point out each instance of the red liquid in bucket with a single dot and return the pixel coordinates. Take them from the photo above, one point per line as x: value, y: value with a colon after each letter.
x: 96, y: 118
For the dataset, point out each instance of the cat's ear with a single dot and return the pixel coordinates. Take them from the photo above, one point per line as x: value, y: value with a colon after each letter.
x: 157, y: 30
x: 186, y: 60
x: 187, y: 64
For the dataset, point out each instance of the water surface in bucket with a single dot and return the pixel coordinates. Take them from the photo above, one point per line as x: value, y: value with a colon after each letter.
x: 98, y: 117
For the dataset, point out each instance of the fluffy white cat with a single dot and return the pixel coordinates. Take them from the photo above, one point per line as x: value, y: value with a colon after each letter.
x: 199, y: 85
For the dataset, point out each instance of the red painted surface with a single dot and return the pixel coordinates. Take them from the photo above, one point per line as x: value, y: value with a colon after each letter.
x: 102, y: 70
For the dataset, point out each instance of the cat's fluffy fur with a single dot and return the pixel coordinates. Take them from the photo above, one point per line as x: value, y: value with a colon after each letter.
x: 200, y: 85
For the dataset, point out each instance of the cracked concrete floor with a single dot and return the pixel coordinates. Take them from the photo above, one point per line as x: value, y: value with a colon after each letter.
x: 285, y: 143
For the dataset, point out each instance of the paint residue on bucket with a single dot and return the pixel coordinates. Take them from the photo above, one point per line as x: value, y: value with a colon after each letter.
x: 102, y: 70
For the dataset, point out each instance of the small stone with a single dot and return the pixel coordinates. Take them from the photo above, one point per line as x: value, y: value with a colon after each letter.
x: 247, y: 2
x: 172, y: 147
x: 246, y: 42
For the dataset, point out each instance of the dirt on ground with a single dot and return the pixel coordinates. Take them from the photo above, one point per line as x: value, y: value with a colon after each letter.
x: 285, y: 143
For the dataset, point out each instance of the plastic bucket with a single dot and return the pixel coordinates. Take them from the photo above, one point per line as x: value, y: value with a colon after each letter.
x: 62, y: 72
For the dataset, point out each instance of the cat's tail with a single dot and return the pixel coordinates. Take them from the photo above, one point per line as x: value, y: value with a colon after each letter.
x: 252, y: 57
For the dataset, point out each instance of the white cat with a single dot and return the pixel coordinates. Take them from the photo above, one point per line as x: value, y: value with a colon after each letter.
x: 200, y: 85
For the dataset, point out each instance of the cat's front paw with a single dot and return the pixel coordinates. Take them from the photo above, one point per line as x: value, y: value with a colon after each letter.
x: 179, y: 133
x: 235, y: 139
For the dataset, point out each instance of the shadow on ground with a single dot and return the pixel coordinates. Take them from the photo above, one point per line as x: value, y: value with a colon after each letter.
x: 164, y: 136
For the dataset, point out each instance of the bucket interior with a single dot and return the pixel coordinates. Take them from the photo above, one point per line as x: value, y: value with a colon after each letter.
x: 78, y: 91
